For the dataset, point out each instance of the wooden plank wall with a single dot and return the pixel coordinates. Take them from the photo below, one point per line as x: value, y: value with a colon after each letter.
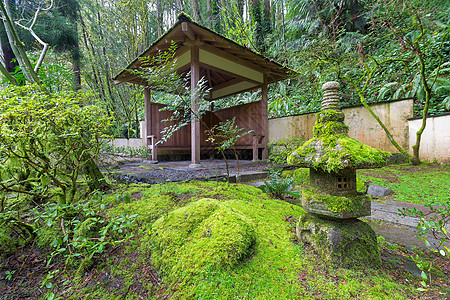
x: 247, y: 117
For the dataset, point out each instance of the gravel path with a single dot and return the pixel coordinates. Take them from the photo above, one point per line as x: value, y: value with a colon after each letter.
x: 147, y: 172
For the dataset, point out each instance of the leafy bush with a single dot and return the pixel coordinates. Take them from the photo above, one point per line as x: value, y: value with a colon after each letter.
x: 127, y: 151
x: 47, y: 141
x: 433, y: 223
x: 79, y: 231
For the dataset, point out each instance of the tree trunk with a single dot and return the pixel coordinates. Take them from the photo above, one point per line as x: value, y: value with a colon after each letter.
x: 415, y: 160
x: 208, y: 14
x: 17, y: 45
x: 195, y: 12
x: 95, y: 179
x: 215, y: 14
x: 255, y: 10
x: 159, y: 17
x: 8, y: 54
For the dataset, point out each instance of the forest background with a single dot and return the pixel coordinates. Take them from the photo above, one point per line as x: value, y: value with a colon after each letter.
x: 52, y: 131
x: 378, y: 50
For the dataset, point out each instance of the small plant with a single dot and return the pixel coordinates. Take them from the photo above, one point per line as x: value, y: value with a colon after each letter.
x: 279, y: 187
x: 435, y: 223
x: 9, y: 275
x: 425, y: 267
x: 48, y: 283
x: 224, y: 136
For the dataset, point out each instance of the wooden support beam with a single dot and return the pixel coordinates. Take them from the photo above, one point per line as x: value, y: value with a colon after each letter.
x: 195, y: 123
x: 148, y: 132
x: 218, y: 71
x: 264, y: 120
x: 251, y: 89
x: 208, y: 77
x: 232, y: 58
x: 216, y: 42
x: 226, y: 84
x: 255, y: 147
x: 187, y: 31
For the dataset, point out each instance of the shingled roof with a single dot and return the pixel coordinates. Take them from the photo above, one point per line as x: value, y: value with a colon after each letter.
x: 227, y: 67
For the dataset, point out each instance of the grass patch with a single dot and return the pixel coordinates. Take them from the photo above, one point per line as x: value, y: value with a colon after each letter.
x: 423, y: 184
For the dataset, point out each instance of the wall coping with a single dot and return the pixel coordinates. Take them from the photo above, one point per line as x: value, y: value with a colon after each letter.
x: 349, y: 106
x: 432, y: 116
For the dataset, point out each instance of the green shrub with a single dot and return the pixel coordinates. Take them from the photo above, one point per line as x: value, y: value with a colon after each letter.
x: 280, y: 150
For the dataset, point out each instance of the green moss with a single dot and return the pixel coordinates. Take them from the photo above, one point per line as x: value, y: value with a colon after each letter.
x: 346, y: 243
x: 332, y: 150
x: 275, y: 267
x: 337, y: 204
x: 337, y: 154
x: 203, y: 234
x: 329, y: 123
x: 300, y: 175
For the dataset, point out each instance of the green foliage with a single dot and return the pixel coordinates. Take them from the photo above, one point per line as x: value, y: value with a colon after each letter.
x: 79, y: 231
x: 280, y: 150
x: 279, y: 186
x: 433, y: 223
x: 56, y: 73
x: 127, y: 151
x: 47, y: 141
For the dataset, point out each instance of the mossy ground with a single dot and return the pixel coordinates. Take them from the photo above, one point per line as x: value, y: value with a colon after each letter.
x: 273, y: 265
x: 422, y: 184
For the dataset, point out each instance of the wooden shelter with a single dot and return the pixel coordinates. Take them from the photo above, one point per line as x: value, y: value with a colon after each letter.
x: 228, y: 69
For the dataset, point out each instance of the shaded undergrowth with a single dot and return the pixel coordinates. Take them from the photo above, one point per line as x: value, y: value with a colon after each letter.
x: 273, y: 265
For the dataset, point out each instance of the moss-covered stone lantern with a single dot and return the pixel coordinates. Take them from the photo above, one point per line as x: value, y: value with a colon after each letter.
x: 332, y: 201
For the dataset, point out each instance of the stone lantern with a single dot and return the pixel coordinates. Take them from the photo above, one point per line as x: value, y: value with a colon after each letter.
x: 332, y: 202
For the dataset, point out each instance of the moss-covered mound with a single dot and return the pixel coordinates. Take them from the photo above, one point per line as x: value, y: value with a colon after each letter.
x: 332, y: 150
x: 206, y: 234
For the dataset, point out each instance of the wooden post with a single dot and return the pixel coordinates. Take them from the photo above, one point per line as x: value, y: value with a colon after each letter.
x: 149, y: 136
x: 264, y: 118
x: 195, y: 123
x: 255, y: 147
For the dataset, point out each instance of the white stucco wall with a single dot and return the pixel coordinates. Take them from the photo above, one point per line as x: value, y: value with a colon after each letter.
x: 362, y: 125
x: 435, y: 141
